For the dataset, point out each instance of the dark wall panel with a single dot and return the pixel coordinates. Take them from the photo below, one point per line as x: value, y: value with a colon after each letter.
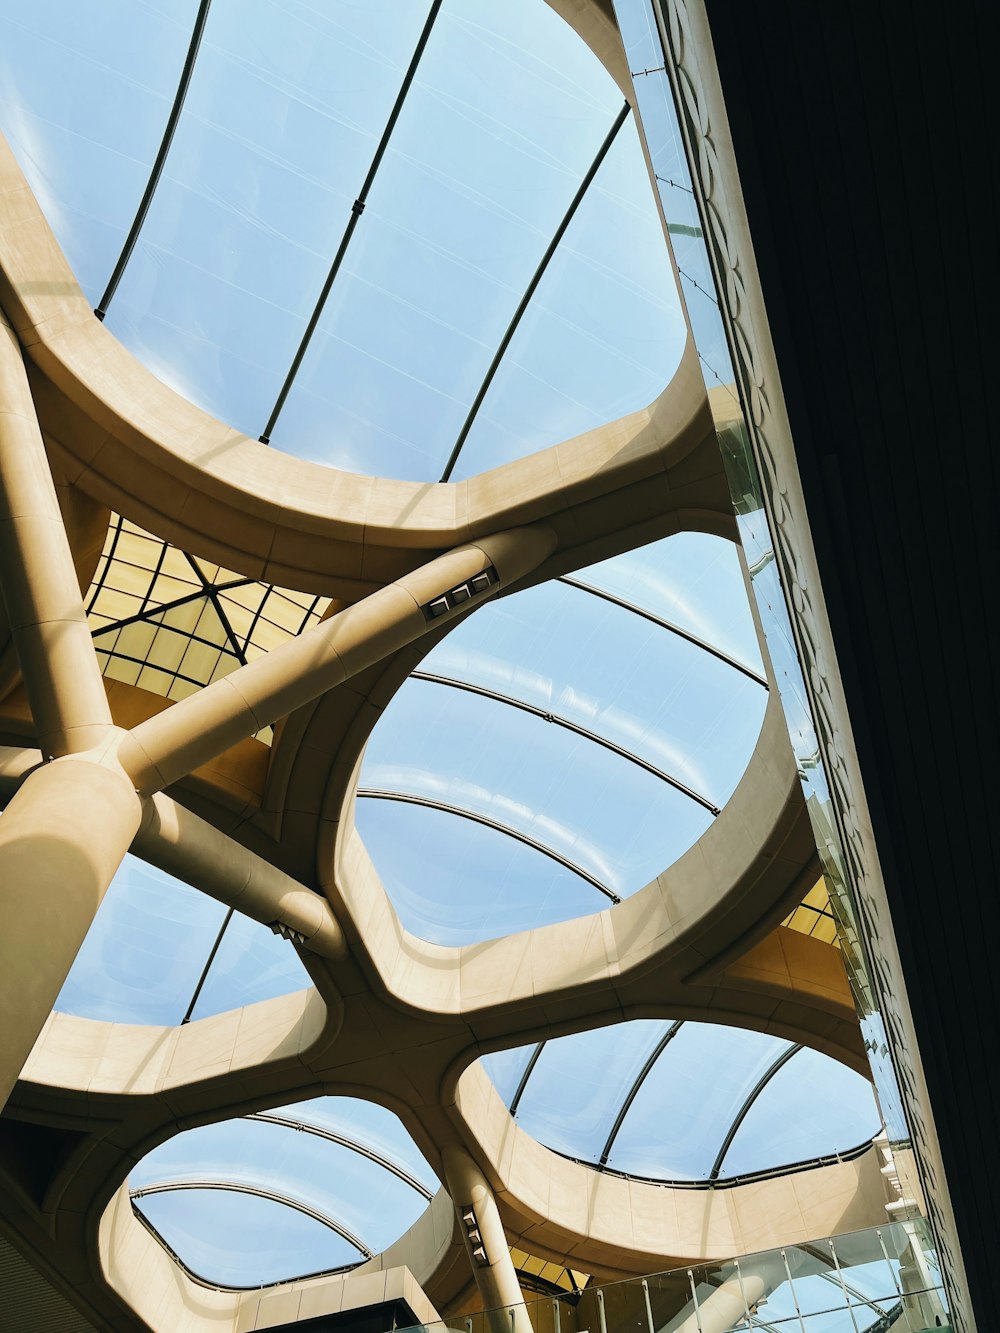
x: 866, y: 136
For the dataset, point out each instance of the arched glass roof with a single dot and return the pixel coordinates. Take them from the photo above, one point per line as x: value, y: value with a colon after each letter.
x: 684, y: 1101
x: 563, y: 746
x: 281, y: 1194
x: 161, y: 952
x: 375, y: 235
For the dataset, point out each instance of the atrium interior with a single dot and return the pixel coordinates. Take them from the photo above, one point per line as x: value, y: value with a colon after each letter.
x: 439, y: 887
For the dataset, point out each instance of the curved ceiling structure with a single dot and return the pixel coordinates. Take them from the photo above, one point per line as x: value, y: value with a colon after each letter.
x: 374, y: 241
x: 563, y: 747
x: 526, y: 777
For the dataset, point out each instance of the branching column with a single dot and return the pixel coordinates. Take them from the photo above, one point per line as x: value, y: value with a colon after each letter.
x: 65, y: 831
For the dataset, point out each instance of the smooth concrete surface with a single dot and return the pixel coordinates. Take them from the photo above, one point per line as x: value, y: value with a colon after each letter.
x: 62, y: 837
x: 38, y: 578
x: 485, y: 1241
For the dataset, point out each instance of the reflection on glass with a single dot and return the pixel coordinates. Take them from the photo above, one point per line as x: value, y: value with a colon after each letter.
x: 340, y: 1194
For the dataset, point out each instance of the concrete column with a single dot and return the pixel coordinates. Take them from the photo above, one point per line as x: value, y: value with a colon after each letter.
x: 191, y: 849
x: 62, y: 837
x: 170, y: 745
x: 39, y: 579
x: 492, y: 1265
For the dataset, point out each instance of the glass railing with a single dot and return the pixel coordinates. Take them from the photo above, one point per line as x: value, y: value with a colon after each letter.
x: 864, y: 1282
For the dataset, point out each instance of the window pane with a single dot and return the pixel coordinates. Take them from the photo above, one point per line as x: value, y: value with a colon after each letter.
x: 252, y: 964
x: 145, y: 950
x: 813, y: 1106
x: 579, y: 1084
x: 85, y: 91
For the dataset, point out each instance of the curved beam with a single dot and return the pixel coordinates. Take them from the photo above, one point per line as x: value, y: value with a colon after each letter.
x: 406, y: 798
x: 531, y: 288
x: 744, y: 1110
x: 734, y: 662
x: 560, y: 721
x: 343, y: 1141
x: 633, y: 1092
x: 160, y: 160
x: 257, y: 1192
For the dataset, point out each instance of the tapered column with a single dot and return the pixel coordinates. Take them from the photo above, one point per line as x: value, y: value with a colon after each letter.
x: 39, y: 580
x: 486, y: 1243
x: 170, y: 745
x: 62, y: 837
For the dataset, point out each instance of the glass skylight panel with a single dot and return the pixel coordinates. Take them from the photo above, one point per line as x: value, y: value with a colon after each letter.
x: 239, y: 1240
x: 144, y: 952
x: 661, y: 1099
x: 85, y: 91
x: 502, y: 122
x: 813, y: 1106
x: 452, y: 880
x: 684, y: 1109
x: 692, y: 580
x: 355, y: 1192
x: 619, y: 676
x: 604, y: 332
x: 578, y: 1085
x: 506, y: 1069
x: 252, y: 964
x: 369, y: 1124
x: 595, y: 732
x: 606, y: 816
x: 285, y: 107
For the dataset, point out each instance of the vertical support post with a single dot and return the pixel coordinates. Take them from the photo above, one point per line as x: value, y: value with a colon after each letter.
x: 485, y: 1242
x: 39, y: 579
x: 791, y: 1288
x: 602, y: 1317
